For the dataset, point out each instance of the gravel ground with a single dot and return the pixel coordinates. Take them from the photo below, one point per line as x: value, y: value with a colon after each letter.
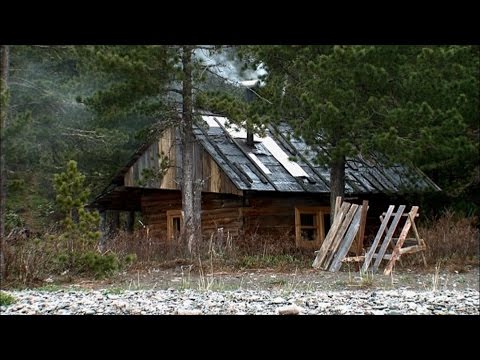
x: 182, y: 291
x: 240, y: 302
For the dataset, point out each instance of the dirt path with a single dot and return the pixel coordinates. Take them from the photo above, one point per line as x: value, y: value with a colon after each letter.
x: 183, y: 277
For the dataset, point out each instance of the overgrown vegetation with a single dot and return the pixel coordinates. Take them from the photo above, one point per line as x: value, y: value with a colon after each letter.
x: 452, y: 240
x: 71, y: 248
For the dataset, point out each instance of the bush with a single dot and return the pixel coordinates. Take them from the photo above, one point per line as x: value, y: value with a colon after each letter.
x: 98, y: 264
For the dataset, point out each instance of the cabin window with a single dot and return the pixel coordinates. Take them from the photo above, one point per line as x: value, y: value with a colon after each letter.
x: 174, y: 224
x: 311, y: 226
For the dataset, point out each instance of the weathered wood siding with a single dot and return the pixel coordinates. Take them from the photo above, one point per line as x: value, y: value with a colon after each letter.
x: 151, y: 159
x: 205, y: 167
x: 216, y: 180
x: 218, y: 211
x: 271, y: 213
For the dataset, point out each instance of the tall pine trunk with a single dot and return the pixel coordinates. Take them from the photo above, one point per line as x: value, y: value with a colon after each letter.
x: 4, y: 62
x: 190, y: 193
x: 337, y: 183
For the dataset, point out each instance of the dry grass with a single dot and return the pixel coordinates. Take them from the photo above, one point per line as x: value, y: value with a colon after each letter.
x: 223, y: 253
x: 27, y: 261
x: 452, y: 240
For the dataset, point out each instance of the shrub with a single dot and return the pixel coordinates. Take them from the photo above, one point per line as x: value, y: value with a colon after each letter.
x: 6, y: 299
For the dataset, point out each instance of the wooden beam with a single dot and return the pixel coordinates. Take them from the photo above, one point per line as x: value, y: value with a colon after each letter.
x: 381, y: 230
x: 340, y: 235
x: 347, y: 241
x: 322, y: 253
x: 338, y: 204
x: 401, y: 239
x: 388, y: 237
x: 354, y: 258
x: 361, y: 231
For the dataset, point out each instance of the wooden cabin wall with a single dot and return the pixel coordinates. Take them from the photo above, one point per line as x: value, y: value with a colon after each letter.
x: 205, y: 167
x: 271, y: 213
x: 151, y: 159
x: 263, y: 214
x: 218, y: 211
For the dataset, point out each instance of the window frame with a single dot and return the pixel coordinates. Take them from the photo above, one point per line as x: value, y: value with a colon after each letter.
x: 173, y: 214
x: 319, y: 213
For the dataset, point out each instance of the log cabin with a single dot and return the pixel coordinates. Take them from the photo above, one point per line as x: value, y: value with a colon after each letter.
x: 251, y: 184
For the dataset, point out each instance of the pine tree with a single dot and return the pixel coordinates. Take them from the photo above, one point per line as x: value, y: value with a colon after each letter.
x: 72, y: 196
x: 416, y: 104
x: 160, y: 82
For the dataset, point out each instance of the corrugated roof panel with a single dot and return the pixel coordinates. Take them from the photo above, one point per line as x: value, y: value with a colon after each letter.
x: 292, y: 167
x: 246, y: 166
x: 257, y: 161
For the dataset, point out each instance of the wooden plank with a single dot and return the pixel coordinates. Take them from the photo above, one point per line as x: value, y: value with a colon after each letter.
x: 388, y: 237
x: 414, y: 227
x: 339, y: 236
x: 379, y: 235
x: 330, y: 236
x: 347, y: 241
x: 401, y: 239
x: 354, y: 258
x: 338, y: 204
x: 361, y: 231
x: 384, y: 257
x: 394, y: 214
x: 411, y: 249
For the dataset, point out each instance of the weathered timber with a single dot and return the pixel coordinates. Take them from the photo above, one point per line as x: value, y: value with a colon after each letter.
x: 401, y: 239
x: 347, y: 241
x: 361, y: 231
x: 378, y: 237
x: 338, y: 204
x: 322, y: 253
x: 354, y: 258
x: 388, y: 237
x: 340, y: 235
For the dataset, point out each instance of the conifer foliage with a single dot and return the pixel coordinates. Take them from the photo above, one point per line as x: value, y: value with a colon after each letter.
x: 80, y: 226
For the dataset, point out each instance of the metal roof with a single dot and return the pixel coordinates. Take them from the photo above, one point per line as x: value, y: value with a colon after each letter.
x: 268, y: 166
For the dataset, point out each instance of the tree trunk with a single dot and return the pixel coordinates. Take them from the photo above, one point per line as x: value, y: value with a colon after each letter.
x: 4, y: 65
x: 103, y: 230
x: 192, y: 230
x: 337, y: 183
x: 130, y: 221
x: 114, y: 222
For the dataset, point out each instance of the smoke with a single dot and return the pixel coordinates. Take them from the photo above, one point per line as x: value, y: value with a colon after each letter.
x: 226, y: 64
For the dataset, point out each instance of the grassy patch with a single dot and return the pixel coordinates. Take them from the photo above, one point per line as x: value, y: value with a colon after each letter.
x: 50, y: 288
x: 6, y: 299
x: 280, y: 261
x: 114, y: 291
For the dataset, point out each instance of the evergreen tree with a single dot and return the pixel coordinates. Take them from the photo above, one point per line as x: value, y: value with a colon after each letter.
x: 159, y: 82
x: 72, y: 196
x: 417, y: 104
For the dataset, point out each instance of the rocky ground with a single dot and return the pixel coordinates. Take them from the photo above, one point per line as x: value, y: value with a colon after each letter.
x: 181, y: 291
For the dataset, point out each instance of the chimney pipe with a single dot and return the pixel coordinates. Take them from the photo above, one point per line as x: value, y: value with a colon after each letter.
x: 250, y: 138
x: 249, y: 97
